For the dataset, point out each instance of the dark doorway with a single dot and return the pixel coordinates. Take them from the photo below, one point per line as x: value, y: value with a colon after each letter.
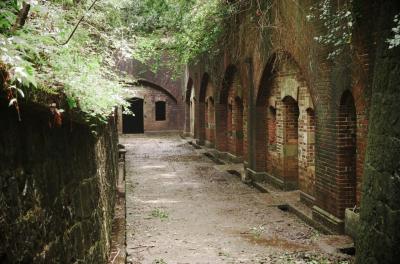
x: 160, y: 111
x: 134, y: 124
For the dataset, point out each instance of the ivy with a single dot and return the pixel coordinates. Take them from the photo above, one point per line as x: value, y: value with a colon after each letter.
x: 338, y: 25
x: 82, y: 70
x: 395, y: 40
x: 183, y: 29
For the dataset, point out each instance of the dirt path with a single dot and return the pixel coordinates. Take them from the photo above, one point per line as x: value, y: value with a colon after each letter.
x: 182, y: 209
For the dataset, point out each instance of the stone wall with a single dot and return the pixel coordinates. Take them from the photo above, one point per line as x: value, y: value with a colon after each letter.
x: 379, y: 236
x: 56, y: 188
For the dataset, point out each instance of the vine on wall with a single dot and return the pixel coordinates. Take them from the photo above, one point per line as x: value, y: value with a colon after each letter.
x: 338, y: 23
x: 395, y: 40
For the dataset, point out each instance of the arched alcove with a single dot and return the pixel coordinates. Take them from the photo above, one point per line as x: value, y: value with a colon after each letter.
x: 285, y: 146
x: 230, y: 114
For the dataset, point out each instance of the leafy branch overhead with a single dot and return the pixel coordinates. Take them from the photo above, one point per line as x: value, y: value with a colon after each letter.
x: 81, y: 69
x: 183, y: 28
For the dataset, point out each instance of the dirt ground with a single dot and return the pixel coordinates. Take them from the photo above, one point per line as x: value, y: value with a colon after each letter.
x: 182, y: 208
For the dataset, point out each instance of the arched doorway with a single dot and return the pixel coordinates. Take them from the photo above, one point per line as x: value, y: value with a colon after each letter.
x: 347, y: 152
x: 230, y: 115
x: 134, y: 124
x: 284, y: 127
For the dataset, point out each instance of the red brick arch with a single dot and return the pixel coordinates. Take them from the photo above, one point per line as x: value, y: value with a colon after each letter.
x: 285, y: 144
x: 229, y: 114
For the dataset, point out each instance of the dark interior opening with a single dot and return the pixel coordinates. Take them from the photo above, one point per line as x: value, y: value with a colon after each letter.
x: 160, y: 111
x: 134, y: 124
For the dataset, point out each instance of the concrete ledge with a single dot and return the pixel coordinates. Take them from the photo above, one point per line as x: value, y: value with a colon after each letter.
x: 255, y: 176
x: 307, y: 199
x: 225, y: 156
x: 308, y: 219
x: 185, y: 134
x: 200, y: 142
x: 333, y: 223
x: 209, y: 144
x: 351, y: 223
x: 276, y: 182
x: 235, y: 159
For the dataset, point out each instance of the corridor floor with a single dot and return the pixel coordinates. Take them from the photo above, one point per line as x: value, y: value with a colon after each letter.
x: 182, y: 208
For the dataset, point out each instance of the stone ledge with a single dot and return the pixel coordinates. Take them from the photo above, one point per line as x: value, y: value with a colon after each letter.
x: 351, y: 223
x: 209, y: 144
x: 256, y: 176
x: 333, y: 223
x: 307, y: 199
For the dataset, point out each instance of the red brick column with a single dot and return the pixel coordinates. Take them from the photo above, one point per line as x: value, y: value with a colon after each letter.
x: 260, y: 139
x: 346, y: 178
x: 221, y: 126
x: 201, y: 122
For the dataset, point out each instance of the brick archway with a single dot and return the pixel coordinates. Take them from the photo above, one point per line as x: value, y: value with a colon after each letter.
x: 285, y: 118
x: 221, y: 110
x: 229, y: 115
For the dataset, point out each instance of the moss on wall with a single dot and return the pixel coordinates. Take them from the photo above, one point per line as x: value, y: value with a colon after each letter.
x: 379, y: 237
x: 56, y: 189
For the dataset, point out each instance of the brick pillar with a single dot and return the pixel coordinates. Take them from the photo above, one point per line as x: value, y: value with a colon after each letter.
x: 210, y: 121
x: 238, y: 127
x: 187, y: 118
x: 221, y: 126
x: 251, y: 115
x: 230, y: 140
x: 307, y: 151
x: 346, y: 154
x: 201, y: 122
x: 260, y: 139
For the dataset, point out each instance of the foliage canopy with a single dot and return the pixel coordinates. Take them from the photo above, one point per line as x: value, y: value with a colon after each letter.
x: 36, y: 59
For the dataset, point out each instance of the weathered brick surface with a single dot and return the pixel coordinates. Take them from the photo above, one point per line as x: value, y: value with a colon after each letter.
x: 154, y: 87
x: 210, y: 115
x: 174, y: 110
x: 56, y: 188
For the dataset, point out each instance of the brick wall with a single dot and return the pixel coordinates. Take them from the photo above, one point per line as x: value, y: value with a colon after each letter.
x: 174, y: 110
x: 289, y: 62
x: 210, y: 115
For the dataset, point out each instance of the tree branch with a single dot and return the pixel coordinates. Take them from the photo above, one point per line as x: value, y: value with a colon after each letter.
x: 77, y: 25
x: 22, y: 16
